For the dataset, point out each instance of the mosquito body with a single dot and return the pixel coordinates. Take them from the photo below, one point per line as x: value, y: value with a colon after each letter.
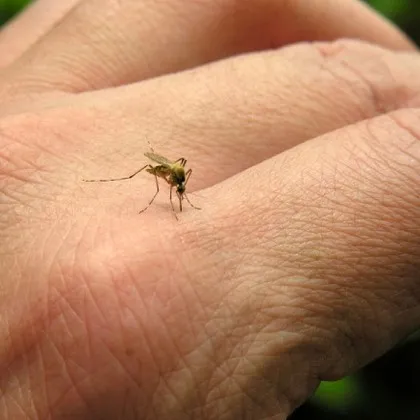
x: 173, y: 172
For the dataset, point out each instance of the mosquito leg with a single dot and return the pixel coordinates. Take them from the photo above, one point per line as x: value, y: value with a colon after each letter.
x: 172, y: 203
x: 118, y: 179
x: 187, y: 176
x: 180, y: 201
x: 182, y: 161
x: 189, y: 202
x: 156, y: 193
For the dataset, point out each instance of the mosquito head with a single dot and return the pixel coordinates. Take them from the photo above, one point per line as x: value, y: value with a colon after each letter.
x: 180, y: 188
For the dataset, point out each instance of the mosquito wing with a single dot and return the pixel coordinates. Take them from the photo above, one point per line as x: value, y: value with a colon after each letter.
x: 158, y: 159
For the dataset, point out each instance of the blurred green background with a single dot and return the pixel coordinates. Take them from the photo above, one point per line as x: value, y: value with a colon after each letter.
x: 389, y: 388
x: 10, y: 7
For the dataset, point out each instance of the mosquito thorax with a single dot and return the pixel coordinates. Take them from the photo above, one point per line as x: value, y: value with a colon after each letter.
x: 178, y: 175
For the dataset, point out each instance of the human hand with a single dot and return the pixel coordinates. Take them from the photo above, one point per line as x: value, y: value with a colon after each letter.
x: 302, y: 264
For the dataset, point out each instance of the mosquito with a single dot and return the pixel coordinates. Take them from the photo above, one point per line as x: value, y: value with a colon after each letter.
x: 173, y: 172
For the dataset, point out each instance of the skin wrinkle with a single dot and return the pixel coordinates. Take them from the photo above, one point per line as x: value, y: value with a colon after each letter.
x: 71, y: 388
x: 380, y: 154
x: 15, y: 173
x: 293, y: 314
x: 316, y: 333
x: 53, y: 256
x: 45, y: 394
x: 16, y: 404
x: 15, y: 384
x: 381, y: 73
x: 229, y: 357
x: 399, y: 119
x: 214, y: 327
x: 373, y: 298
x: 139, y: 386
x: 381, y: 159
x: 400, y: 168
x: 100, y: 310
x: 168, y: 336
x: 210, y: 364
x: 182, y: 369
x: 205, y: 314
x: 259, y: 386
x: 14, y: 344
x: 255, y: 400
x: 378, y: 105
x: 344, y: 81
x: 39, y: 128
x: 60, y: 355
x: 29, y: 189
x: 146, y: 405
x: 50, y: 303
x: 177, y: 398
x: 220, y: 380
x: 104, y: 343
x: 182, y: 354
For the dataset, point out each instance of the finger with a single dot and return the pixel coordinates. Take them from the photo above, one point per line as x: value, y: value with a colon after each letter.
x: 222, y: 118
x: 29, y: 26
x: 213, y: 115
x: 122, y: 42
x: 322, y: 242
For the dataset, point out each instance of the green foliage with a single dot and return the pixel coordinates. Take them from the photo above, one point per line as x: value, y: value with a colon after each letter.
x: 397, y: 10
x: 339, y: 394
x: 8, y: 8
x: 404, y: 13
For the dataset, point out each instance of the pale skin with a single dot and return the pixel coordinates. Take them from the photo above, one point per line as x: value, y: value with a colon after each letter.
x: 302, y: 264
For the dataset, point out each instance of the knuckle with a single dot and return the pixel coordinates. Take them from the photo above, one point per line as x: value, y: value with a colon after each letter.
x: 384, y: 77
